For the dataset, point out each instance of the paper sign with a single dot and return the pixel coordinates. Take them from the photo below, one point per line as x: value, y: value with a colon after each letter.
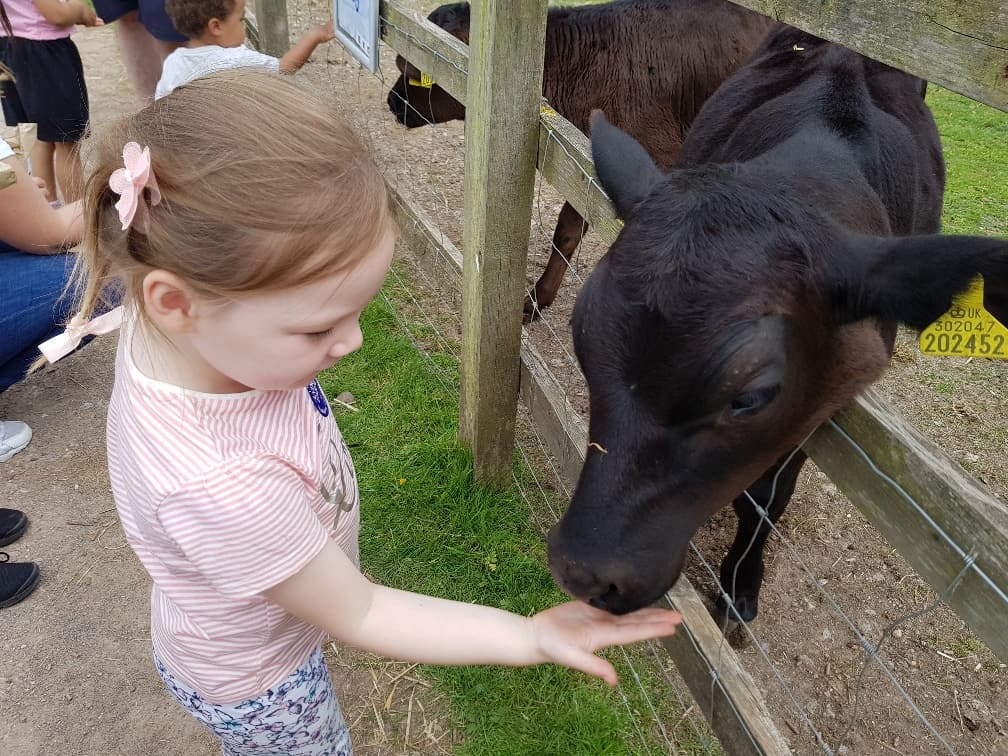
x: 356, y: 25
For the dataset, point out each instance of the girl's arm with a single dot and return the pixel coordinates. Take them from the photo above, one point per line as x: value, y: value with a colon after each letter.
x: 332, y: 594
x: 67, y: 14
x: 298, y: 55
x: 30, y: 223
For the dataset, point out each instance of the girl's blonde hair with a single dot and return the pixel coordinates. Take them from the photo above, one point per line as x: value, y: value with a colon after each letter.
x: 256, y: 177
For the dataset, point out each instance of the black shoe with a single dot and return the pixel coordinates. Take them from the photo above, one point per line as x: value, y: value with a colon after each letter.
x: 13, y: 524
x: 17, y: 580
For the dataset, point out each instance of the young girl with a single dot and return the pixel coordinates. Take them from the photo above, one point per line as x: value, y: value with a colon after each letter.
x: 47, y: 86
x: 246, y: 254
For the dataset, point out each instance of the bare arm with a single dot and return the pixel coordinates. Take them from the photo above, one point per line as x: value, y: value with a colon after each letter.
x: 298, y: 55
x: 29, y: 223
x: 68, y: 13
x: 331, y: 594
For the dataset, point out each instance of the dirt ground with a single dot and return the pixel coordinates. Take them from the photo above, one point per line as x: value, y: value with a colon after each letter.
x: 75, y: 671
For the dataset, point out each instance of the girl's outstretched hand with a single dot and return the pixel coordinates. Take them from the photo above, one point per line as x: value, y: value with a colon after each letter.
x: 570, y: 633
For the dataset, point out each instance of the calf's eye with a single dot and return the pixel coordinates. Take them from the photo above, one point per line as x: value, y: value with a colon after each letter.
x: 750, y: 402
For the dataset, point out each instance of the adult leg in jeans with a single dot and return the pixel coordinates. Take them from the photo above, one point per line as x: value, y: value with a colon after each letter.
x: 33, y: 307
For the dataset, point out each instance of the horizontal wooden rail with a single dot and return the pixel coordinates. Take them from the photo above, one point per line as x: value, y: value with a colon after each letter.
x: 961, y: 45
x: 565, y: 162
x: 942, y: 518
x: 428, y: 47
x: 733, y: 705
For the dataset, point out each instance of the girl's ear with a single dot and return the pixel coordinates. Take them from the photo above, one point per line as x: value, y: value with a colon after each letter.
x: 214, y: 27
x: 169, y: 302
x: 913, y: 279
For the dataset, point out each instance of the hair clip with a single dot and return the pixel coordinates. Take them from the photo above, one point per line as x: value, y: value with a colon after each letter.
x: 130, y: 182
x: 62, y: 344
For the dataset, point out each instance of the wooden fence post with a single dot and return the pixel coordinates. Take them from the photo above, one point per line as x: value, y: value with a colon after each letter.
x: 503, y: 92
x: 271, y: 25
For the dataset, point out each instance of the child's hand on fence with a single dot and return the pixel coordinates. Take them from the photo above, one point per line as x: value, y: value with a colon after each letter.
x: 324, y: 32
x: 569, y: 634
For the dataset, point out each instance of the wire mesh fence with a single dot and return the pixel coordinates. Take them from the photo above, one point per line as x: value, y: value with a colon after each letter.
x: 853, y: 651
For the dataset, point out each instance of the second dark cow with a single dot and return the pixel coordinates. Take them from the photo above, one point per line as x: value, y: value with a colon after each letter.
x: 648, y: 64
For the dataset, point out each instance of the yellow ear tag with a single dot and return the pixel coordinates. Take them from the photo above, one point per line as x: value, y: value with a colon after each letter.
x: 967, y: 329
x: 424, y: 81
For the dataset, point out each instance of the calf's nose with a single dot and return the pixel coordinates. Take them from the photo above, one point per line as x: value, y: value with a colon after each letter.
x: 610, y: 588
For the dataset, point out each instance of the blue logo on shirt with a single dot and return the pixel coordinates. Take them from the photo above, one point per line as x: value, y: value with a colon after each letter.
x: 318, y: 398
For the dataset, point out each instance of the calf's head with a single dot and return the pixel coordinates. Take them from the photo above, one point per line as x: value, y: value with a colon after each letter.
x: 729, y: 319
x: 414, y: 99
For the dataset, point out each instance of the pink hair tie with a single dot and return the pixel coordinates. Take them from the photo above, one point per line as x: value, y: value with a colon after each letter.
x: 129, y: 183
x: 62, y: 344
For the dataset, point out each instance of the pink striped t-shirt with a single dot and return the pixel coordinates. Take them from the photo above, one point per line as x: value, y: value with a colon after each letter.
x: 29, y: 23
x: 222, y: 496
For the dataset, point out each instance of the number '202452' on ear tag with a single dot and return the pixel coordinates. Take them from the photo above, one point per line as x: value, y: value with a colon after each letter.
x: 967, y: 329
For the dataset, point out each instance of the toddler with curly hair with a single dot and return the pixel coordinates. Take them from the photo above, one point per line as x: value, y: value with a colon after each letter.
x: 216, y: 33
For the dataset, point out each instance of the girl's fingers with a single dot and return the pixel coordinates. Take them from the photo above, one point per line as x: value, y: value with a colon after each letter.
x: 622, y: 634
x: 590, y: 665
x: 651, y: 614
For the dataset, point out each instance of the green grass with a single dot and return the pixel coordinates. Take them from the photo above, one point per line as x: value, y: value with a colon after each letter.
x: 975, y: 143
x: 426, y: 526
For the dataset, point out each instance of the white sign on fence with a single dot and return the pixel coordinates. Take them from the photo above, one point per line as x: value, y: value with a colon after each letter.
x: 356, y: 25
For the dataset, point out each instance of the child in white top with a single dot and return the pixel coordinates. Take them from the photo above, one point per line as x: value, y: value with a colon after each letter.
x: 246, y: 256
x: 216, y: 32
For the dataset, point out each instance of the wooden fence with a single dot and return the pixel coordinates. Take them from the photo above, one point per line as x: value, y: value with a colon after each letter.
x: 951, y: 529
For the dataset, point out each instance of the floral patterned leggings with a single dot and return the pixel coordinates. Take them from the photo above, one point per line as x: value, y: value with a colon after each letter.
x: 300, y: 716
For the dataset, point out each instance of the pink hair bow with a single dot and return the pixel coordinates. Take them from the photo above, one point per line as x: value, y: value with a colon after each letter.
x: 129, y: 183
x: 62, y: 344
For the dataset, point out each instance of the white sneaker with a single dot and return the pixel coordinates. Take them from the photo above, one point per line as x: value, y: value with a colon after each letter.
x: 14, y: 436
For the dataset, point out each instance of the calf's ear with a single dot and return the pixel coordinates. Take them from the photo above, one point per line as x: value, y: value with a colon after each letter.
x: 623, y: 167
x: 913, y: 279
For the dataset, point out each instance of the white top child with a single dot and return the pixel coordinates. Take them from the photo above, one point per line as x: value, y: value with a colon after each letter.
x: 216, y: 32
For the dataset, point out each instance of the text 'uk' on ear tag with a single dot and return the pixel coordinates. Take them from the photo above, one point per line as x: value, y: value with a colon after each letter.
x: 967, y: 329
x: 424, y: 81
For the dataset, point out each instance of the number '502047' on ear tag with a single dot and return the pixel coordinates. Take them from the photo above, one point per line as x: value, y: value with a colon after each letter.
x: 967, y: 329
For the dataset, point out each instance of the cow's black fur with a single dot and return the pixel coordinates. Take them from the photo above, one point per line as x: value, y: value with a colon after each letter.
x: 752, y: 293
x: 648, y: 64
